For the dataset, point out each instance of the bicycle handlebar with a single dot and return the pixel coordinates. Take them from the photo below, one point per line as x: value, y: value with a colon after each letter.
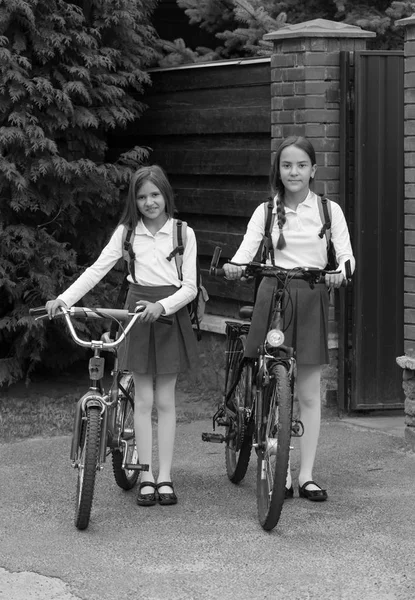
x: 254, y: 269
x: 118, y: 314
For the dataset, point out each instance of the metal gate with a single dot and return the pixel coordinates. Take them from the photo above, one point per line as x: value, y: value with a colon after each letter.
x: 373, y: 191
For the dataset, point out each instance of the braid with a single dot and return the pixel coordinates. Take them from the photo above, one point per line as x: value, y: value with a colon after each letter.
x: 281, y: 222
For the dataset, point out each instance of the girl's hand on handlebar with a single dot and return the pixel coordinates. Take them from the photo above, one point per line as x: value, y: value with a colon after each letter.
x: 52, y: 306
x: 334, y: 280
x: 233, y: 271
x: 151, y: 312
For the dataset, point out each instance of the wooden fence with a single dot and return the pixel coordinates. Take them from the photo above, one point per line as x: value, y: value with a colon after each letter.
x: 209, y: 127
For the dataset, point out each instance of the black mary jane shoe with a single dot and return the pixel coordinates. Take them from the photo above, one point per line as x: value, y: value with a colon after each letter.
x: 314, y: 495
x: 289, y: 492
x: 147, y: 499
x: 167, y: 498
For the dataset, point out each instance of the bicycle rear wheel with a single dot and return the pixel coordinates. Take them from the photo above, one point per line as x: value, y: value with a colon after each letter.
x: 87, y: 466
x: 274, y: 447
x: 126, y: 478
x: 238, y: 433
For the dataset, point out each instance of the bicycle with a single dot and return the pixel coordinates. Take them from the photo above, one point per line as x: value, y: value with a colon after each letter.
x: 103, y: 422
x: 257, y: 405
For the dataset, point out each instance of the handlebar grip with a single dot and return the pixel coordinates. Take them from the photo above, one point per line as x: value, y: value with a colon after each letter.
x: 348, y: 269
x: 217, y: 272
x: 39, y: 311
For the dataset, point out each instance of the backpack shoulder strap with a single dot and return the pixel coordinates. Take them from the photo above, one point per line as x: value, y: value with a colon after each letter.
x: 268, y: 248
x: 128, y: 256
x: 324, y: 207
x: 127, y: 251
x: 179, y: 244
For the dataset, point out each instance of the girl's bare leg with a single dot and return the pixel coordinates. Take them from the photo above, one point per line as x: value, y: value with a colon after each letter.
x: 143, y: 404
x: 166, y: 409
x: 308, y: 389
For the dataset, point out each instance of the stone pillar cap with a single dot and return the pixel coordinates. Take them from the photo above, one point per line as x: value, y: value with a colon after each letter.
x: 319, y: 28
x: 408, y: 21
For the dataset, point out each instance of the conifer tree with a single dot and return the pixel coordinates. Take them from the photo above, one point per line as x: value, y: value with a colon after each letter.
x: 239, y: 25
x: 70, y: 72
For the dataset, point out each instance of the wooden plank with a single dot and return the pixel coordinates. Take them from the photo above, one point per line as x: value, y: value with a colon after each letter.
x: 209, y: 76
x: 220, y: 182
x: 208, y: 240
x: 236, y: 97
x: 239, y: 203
x: 225, y: 307
x: 227, y: 224
x: 215, y: 161
x: 221, y: 288
x: 220, y: 119
x: 206, y: 142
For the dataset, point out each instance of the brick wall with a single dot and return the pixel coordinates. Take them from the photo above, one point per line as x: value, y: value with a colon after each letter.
x: 305, y: 89
x: 409, y: 206
x: 305, y: 100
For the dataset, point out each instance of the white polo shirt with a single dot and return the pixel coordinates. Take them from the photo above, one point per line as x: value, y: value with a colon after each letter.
x: 304, y: 247
x: 151, y: 265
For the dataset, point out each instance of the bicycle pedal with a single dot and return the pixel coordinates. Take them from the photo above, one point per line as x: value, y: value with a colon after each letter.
x: 135, y: 467
x: 217, y: 438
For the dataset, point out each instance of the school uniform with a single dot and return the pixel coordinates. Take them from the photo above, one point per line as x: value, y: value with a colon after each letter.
x: 155, y: 348
x: 306, y: 318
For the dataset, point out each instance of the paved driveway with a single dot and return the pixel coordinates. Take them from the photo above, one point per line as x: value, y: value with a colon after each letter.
x: 358, y: 545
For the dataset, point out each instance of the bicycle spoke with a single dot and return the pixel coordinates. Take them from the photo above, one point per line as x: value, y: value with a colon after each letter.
x: 274, y: 447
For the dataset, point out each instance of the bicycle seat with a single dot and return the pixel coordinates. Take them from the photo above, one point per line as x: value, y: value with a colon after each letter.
x: 245, y: 312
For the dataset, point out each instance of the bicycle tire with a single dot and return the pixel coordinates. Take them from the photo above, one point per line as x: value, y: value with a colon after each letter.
x: 87, y: 468
x: 274, y: 447
x: 239, y: 445
x: 126, y: 479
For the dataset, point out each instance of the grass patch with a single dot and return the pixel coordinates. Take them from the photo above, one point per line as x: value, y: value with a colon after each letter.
x: 43, y: 416
x: 46, y: 407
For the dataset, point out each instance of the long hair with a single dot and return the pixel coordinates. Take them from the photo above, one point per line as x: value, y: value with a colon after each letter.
x: 154, y: 173
x: 277, y: 186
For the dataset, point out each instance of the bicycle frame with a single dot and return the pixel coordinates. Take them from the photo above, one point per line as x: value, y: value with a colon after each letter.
x: 96, y: 396
x: 106, y: 402
x: 257, y: 408
x: 103, y: 422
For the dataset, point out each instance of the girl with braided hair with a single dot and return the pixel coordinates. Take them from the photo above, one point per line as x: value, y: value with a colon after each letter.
x: 296, y: 243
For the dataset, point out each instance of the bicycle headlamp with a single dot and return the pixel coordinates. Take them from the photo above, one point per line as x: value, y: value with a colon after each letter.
x: 275, y: 338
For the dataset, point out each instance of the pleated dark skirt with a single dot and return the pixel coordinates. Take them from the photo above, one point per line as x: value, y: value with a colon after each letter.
x: 305, y: 321
x: 158, y: 348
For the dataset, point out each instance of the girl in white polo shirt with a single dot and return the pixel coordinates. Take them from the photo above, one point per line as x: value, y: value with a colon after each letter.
x: 296, y: 243
x: 154, y: 352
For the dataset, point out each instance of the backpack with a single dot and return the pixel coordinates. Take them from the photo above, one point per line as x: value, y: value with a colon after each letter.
x: 196, y: 307
x: 324, y: 208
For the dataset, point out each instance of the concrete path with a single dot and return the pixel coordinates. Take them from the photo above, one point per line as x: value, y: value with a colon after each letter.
x: 360, y: 544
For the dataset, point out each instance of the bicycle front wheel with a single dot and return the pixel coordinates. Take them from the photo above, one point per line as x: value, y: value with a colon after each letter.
x: 87, y: 466
x: 274, y: 447
x: 126, y: 478
x: 238, y: 434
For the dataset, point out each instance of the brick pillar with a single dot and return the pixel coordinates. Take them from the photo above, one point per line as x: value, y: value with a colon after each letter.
x: 407, y: 362
x: 305, y: 89
x: 305, y: 100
